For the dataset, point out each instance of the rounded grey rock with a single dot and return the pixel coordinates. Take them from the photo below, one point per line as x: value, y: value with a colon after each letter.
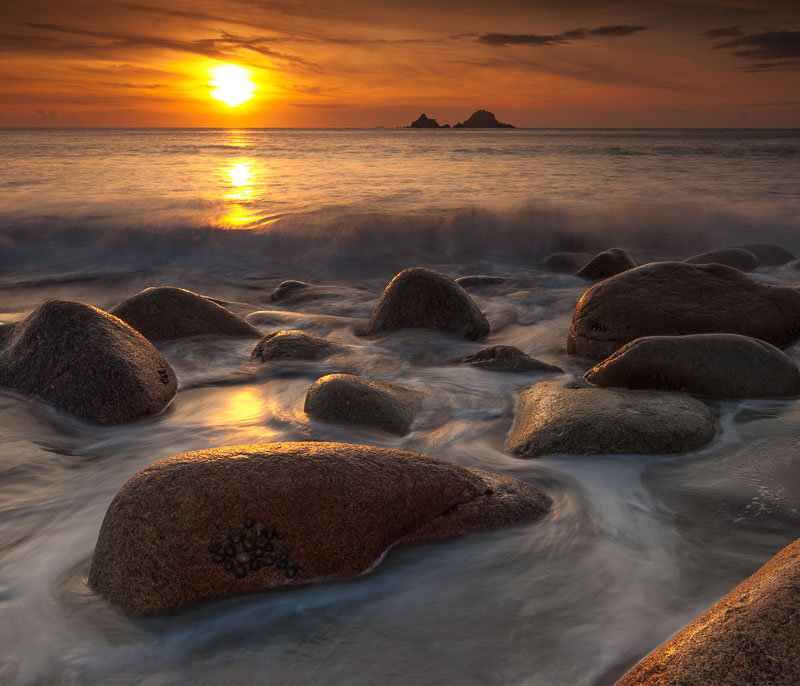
x: 293, y: 345
x: 738, y: 258
x: 507, y: 358
x: 607, y: 263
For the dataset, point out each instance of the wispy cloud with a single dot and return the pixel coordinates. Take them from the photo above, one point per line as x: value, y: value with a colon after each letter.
x: 504, y: 39
x: 775, y: 50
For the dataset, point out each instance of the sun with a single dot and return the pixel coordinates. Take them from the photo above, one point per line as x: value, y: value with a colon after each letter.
x: 232, y: 84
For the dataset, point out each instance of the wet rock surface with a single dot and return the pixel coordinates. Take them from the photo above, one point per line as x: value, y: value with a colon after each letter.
x: 718, y: 365
x: 767, y: 254
x: 192, y: 527
x: 573, y: 417
x: 607, y: 263
x: 748, y: 637
x: 422, y: 298
x: 566, y: 262
x: 675, y: 299
x: 738, y: 258
x: 294, y: 345
x: 288, y: 288
x: 507, y: 358
x: 85, y: 362
x: 479, y: 280
x: 349, y: 399
x: 166, y: 312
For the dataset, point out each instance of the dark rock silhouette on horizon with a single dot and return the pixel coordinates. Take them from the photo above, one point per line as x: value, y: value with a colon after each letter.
x: 424, y: 122
x: 482, y: 119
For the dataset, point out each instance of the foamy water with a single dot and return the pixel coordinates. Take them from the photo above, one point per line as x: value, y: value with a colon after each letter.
x: 636, y: 546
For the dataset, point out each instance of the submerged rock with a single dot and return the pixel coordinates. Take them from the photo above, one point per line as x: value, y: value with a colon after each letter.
x: 748, y: 637
x: 350, y: 399
x: 507, y: 358
x: 607, y: 263
x: 566, y: 262
x: 675, y: 299
x: 479, y: 280
x: 769, y: 255
x: 85, y: 362
x: 573, y: 417
x: 178, y: 532
x: 289, y: 288
x: 167, y: 312
x: 738, y: 258
x: 718, y: 364
x: 422, y: 298
x: 293, y: 345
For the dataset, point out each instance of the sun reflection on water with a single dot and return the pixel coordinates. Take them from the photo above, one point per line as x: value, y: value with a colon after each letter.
x: 240, y: 190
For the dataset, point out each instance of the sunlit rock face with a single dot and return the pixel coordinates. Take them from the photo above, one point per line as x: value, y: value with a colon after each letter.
x: 767, y: 254
x: 349, y: 399
x: 422, y: 298
x: 719, y: 365
x: 217, y: 523
x: 607, y: 263
x: 573, y: 417
x: 675, y: 299
x: 730, y: 257
x: 167, y: 312
x: 507, y: 358
x: 748, y: 637
x: 85, y: 362
x: 294, y: 345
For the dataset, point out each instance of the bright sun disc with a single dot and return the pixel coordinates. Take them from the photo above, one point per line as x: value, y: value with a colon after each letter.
x: 232, y: 85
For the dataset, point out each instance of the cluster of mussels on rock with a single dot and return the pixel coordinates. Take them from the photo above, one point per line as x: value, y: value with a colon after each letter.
x: 253, y: 549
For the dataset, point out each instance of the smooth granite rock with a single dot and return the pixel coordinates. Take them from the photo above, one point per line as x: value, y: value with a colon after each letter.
x: 721, y: 365
x: 167, y: 312
x: 738, y: 258
x: 326, y: 510
x: 422, y: 298
x: 749, y: 637
x: 566, y: 262
x: 294, y: 345
x: 607, y: 263
x: 507, y: 358
x: 767, y: 254
x: 675, y: 299
x: 349, y: 399
x: 85, y: 362
x: 289, y: 288
x: 573, y: 417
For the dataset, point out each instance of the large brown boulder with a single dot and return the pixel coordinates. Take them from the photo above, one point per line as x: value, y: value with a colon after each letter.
x: 228, y: 521
x: 422, y: 298
x: 85, y: 362
x: 573, y: 417
x: 167, y: 312
x: 738, y: 258
x: 349, y: 399
x: 675, y: 299
x: 607, y: 263
x: 293, y: 345
x: 507, y: 358
x: 767, y: 254
x: 748, y: 637
x: 722, y: 365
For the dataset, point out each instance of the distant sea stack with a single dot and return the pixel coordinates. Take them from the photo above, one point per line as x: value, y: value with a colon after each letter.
x: 483, y: 120
x: 425, y: 123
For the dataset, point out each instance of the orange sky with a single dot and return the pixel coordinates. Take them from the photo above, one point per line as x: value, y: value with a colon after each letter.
x: 573, y: 64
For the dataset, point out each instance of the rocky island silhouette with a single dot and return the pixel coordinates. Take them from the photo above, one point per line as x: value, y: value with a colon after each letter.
x: 482, y: 119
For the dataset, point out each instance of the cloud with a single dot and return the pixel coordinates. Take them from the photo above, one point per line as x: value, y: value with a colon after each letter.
x: 504, y: 39
x: 727, y: 32
x: 320, y: 105
x: 775, y: 50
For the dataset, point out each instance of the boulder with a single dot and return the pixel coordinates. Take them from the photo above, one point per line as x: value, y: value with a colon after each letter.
x: 737, y: 258
x: 422, y: 298
x: 748, y: 637
x: 288, y: 288
x: 566, y: 262
x: 349, y: 399
x: 768, y: 255
x: 167, y: 312
x: 607, y: 263
x: 85, y: 362
x: 721, y: 365
x: 217, y: 523
x: 479, y: 280
x: 507, y: 358
x: 573, y: 417
x: 482, y: 119
x: 675, y: 299
x: 293, y: 345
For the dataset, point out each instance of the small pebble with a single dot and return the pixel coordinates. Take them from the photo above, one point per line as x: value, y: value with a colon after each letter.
x: 269, y: 532
x: 267, y: 560
x: 291, y: 572
x: 259, y: 529
x: 258, y: 552
x: 249, y: 543
x: 215, y: 547
x: 230, y: 550
x: 255, y: 565
x: 279, y: 534
x: 240, y: 572
x: 281, y: 564
x: 269, y: 547
x: 236, y: 537
x: 217, y: 558
x: 287, y: 547
x: 244, y: 558
x: 228, y: 565
x: 249, y: 522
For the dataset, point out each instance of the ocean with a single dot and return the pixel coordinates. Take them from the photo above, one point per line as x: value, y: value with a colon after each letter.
x: 636, y: 546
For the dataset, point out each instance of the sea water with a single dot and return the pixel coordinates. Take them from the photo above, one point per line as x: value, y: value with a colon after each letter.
x: 635, y: 547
